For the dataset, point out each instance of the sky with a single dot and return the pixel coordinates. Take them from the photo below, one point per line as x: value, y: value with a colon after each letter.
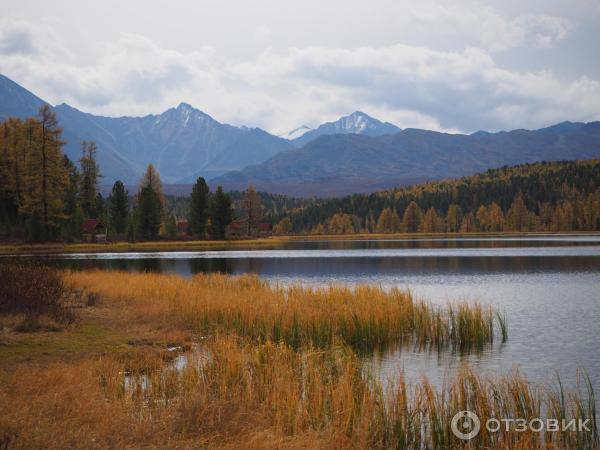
x: 455, y: 66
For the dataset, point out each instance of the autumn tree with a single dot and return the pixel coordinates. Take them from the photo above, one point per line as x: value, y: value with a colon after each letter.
x: 412, y: 218
x: 47, y: 177
x: 517, y: 215
x: 384, y: 222
x: 453, y: 218
x: 430, y: 222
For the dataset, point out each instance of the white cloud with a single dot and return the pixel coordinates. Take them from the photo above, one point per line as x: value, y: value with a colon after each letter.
x: 412, y: 86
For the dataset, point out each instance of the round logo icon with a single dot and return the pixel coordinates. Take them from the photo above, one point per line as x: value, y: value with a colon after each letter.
x: 465, y: 425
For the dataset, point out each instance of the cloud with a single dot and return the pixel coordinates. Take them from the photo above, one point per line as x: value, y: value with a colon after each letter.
x: 412, y: 86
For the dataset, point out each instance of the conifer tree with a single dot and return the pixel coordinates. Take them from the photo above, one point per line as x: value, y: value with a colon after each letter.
x: 221, y: 213
x: 119, y: 208
x: 199, y: 208
x: 253, y: 211
x: 90, y: 173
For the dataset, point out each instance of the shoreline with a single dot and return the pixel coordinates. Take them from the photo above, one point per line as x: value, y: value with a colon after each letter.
x: 157, y: 246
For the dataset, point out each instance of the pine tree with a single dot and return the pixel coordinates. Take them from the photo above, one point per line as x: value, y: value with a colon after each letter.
x: 221, y: 213
x: 89, y: 179
x: 119, y: 208
x: 199, y: 208
x: 149, y: 213
x: 171, y: 227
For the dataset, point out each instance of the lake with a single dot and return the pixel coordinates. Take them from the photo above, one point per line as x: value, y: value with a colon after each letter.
x: 548, y: 287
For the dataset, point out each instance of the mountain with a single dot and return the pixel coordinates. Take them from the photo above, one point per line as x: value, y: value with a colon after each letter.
x: 356, y: 123
x: 15, y: 101
x: 348, y: 163
x: 183, y: 142
x: 296, y: 132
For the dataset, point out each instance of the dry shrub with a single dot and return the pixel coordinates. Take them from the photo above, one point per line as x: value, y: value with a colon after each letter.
x: 33, y: 290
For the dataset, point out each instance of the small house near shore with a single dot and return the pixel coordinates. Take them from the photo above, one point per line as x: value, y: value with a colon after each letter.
x: 94, y: 230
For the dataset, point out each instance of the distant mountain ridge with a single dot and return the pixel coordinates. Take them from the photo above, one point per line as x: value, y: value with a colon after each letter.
x: 356, y: 123
x: 350, y: 163
x: 183, y: 142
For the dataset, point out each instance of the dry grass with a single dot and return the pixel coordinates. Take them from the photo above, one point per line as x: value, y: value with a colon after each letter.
x: 365, y: 317
x: 267, y: 396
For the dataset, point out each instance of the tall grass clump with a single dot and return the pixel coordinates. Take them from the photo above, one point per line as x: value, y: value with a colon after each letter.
x: 364, y: 317
x: 32, y: 290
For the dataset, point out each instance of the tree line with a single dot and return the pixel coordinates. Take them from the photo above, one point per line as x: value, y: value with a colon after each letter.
x: 545, y: 196
x: 44, y: 196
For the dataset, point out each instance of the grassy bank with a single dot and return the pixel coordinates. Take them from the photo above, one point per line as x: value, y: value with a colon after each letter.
x: 365, y: 317
x: 269, y: 368
x: 269, y: 396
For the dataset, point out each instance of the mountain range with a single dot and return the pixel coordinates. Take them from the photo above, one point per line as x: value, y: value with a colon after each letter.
x: 356, y: 153
x: 349, y: 163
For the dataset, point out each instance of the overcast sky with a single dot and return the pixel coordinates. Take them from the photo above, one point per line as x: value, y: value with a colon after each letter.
x: 455, y: 65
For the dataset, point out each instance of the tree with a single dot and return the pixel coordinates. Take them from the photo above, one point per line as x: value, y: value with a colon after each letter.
x: 149, y: 213
x: 199, y: 208
x: 453, y: 218
x: 384, y: 222
x: 431, y: 222
x: 483, y: 218
x: 72, y: 211
x: 412, y: 217
x: 152, y: 178
x: 171, y: 227
x: 221, y: 213
x: 119, y: 208
x: 88, y: 193
x: 47, y: 178
x: 253, y: 210
x: 284, y: 226
x: 517, y: 215
x: 496, y: 217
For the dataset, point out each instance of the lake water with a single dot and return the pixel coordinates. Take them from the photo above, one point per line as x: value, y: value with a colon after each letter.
x: 548, y: 287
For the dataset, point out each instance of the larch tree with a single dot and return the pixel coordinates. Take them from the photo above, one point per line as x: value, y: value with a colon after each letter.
x: 47, y: 177
x: 412, y: 217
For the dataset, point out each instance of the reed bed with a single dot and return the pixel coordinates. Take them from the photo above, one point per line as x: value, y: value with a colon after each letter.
x: 365, y: 317
x: 271, y: 396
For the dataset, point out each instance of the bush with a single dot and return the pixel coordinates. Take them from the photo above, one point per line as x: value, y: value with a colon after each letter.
x: 33, y: 290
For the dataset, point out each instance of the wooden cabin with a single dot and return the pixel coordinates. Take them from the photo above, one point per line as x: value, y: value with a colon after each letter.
x: 94, y: 230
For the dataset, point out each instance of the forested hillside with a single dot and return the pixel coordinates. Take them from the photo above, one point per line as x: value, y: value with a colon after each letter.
x: 545, y: 196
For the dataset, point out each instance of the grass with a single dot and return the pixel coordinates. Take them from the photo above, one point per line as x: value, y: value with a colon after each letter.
x: 365, y: 318
x: 270, y: 396
x: 279, y: 369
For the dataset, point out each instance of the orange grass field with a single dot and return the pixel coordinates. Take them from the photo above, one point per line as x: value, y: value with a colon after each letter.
x: 271, y: 368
